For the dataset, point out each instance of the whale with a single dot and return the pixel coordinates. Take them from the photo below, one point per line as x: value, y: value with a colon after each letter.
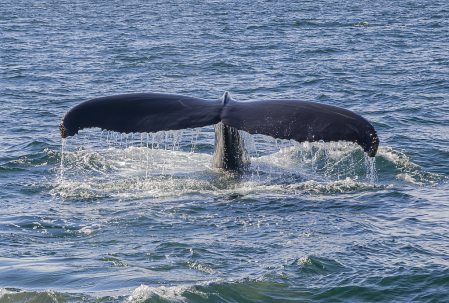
x: 302, y: 121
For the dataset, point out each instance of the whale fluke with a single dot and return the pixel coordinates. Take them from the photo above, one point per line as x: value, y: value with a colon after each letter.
x: 133, y: 113
x: 301, y: 121
x: 283, y: 119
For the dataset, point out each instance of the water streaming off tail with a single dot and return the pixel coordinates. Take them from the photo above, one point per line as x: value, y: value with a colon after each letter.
x: 318, y: 160
x: 98, y: 164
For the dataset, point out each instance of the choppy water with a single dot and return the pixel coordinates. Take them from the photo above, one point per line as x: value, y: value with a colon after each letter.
x: 144, y: 218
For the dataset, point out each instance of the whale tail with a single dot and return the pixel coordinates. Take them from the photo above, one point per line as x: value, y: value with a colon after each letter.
x: 283, y: 119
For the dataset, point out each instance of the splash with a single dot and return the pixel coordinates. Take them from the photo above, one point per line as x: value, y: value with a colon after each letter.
x: 172, y: 163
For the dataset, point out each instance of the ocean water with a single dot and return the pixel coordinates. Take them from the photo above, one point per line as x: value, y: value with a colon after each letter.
x: 108, y: 217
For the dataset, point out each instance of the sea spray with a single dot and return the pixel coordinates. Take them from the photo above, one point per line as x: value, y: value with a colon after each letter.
x: 168, y: 153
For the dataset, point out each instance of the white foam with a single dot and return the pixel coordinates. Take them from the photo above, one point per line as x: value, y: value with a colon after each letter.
x: 127, y: 168
x: 338, y: 186
x: 170, y: 293
x: 5, y: 292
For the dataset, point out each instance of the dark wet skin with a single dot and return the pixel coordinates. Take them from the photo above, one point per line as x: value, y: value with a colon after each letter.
x: 301, y: 121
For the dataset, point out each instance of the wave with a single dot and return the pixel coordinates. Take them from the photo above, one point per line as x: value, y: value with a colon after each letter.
x: 310, y: 278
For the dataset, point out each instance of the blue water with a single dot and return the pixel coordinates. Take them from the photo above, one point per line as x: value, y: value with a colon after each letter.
x: 145, y: 218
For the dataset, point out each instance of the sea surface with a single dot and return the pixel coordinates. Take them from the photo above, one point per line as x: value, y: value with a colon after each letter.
x: 110, y: 217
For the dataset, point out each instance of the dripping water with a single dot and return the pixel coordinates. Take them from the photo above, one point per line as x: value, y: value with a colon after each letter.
x: 61, y: 167
x: 370, y: 163
x: 271, y: 158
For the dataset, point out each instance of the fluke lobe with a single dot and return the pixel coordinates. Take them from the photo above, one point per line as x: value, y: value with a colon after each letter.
x: 283, y: 119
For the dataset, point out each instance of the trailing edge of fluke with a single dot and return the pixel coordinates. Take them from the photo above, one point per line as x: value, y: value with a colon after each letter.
x: 283, y: 119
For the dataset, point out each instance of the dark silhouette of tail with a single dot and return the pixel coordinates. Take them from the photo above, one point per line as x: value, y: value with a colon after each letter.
x: 284, y: 119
